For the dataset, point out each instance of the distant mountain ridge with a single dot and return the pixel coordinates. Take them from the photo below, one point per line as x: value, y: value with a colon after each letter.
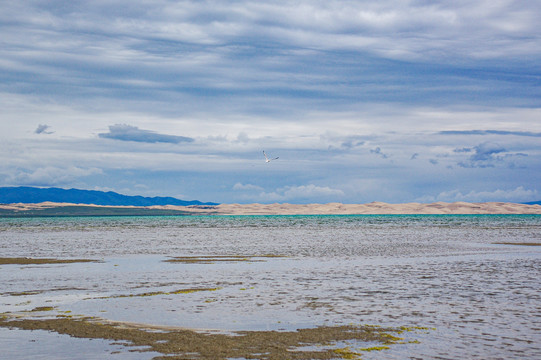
x: 29, y: 195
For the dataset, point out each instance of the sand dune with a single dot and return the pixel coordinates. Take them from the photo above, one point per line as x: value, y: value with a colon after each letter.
x: 324, y: 209
x: 379, y: 208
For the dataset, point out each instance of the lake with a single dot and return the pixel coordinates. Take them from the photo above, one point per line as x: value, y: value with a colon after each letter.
x: 467, y: 284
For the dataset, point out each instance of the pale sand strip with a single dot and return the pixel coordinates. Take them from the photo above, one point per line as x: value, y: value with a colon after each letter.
x: 325, y: 209
x: 378, y: 208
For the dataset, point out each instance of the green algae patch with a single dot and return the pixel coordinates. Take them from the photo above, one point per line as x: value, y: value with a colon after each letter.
x: 189, y: 291
x: 220, y: 258
x: 416, y: 328
x: 43, y: 308
x: 347, y: 353
x: 24, y: 303
x: 183, y: 343
x: 39, y: 261
x: 37, y: 292
x: 375, y: 348
x: 391, y: 339
x: 24, y: 293
x: 157, y: 293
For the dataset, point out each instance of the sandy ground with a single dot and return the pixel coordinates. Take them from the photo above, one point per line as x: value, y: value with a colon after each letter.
x: 327, y: 209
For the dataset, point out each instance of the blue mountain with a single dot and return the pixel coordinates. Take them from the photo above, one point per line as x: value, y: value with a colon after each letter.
x: 28, y: 195
x: 534, y: 203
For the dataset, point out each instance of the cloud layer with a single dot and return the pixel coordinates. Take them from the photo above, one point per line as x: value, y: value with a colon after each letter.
x: 361, y: 101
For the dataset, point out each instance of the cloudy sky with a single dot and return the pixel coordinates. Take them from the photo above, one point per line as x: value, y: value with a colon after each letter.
x: 394, y: 101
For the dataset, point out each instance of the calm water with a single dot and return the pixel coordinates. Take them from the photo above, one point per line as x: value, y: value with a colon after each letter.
x: 443, y: 272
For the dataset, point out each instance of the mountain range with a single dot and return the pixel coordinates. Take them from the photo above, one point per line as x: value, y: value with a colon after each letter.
x: 29, y: 195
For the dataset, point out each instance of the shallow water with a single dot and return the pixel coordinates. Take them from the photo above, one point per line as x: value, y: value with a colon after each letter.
x: 480, y: 299
x: 44, y: 345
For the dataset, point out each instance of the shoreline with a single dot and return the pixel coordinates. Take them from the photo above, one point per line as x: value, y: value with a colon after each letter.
x: 50, y: 209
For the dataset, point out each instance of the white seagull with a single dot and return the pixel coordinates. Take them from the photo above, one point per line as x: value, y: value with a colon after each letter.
x: 267, y: 159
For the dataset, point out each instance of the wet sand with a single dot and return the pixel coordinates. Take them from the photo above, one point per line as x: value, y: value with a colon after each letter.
x: 373, y: 208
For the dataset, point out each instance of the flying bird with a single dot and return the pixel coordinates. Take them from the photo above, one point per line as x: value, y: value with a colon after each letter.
x: 267, y: 159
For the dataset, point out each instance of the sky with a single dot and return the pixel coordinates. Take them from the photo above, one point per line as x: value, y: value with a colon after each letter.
x: 393, y: 101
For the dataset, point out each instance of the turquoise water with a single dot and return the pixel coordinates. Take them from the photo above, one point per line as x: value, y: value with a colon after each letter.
x: 445, y: 272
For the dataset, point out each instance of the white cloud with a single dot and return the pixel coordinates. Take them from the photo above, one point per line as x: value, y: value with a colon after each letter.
x: 247, y: 187
x: 520, y: 194
x: 406, y: 29
x: 50, y: 176
x: 311, y: 191
x: 302, y: 193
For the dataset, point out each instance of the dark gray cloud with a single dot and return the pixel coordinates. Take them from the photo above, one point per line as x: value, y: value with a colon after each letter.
x: 463, y: 150
x: 351, y: 143
x: 490, y: 132
x: 484, y: 155
x: 133, y: 133
x: 339, y: 142
x: 378, y: 151
x: 486, y: 151
x: 42, y: 129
